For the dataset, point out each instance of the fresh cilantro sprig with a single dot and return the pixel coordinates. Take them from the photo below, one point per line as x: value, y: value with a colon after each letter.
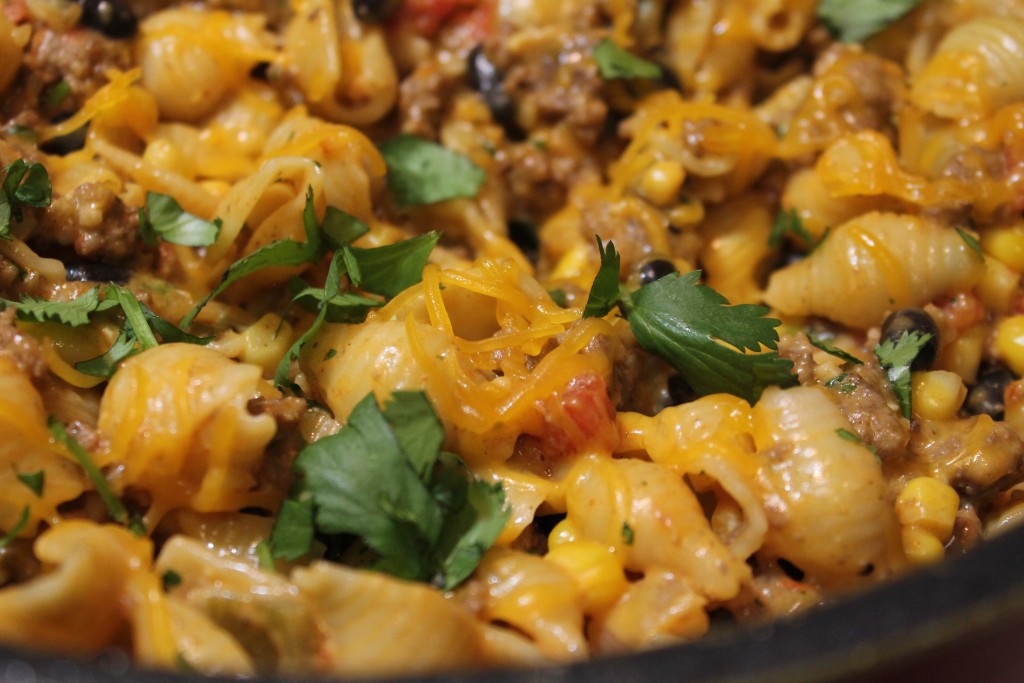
x: 24, y: 184
x: 833, y: 350
x: 286, y: 252
x: 695, y: 330
x: 140, y: 330
x: 424, y: 172
x: 34, y: 481
x: 853, y: 21
x: 162, y: 217
x: 384, y: 479
x: 115, y: 508
x: 384, y: 271
x: 896, y: 357
x: 13, y: 532
x: 74, y: 313
x: 788, y: 222
x: 614, y: 62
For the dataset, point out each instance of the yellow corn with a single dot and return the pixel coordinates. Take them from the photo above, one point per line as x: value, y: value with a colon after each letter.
x: 661, y: 182
x: 998, y: 286
x: 927, y: 511
x: 920, y: 547
x: 937, y: 394
x: 597, y: 572
x: 1009, y: 342
x: 563, y: 532
x: 1005, y: 243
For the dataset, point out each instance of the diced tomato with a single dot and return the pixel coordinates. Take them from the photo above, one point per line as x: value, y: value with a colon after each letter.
x: 580, y: 416
x: 428, y: 16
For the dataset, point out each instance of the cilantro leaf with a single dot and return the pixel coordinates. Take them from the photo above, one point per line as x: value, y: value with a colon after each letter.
x: 383, y: 478
x: 33, y: 480
x: 682, y: 322
x: 417, y: 429
x: 895, y: 358
x: 341, y: 228
x: 424, y: 172
x: 115, y: 508
x: 286, y: 252
x: 853, y: 21
x: 616, y: 62
x: 163, y: 217
x: 74, y: 313
x: 972, y: 242
x: 393, y: 268
x: 24, y: 184
x: 604, y: 293
x: 837, y: 352
x: 134, y: 316
x: 16, y: 529
x: 292, y: 536
x: 106, y: 364
x: 363, y: 484
x: 473, y: 518
x: 789, y: 223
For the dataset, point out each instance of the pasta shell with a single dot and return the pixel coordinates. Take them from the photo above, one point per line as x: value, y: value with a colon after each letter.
x: 828, y: 504
x: 873, y: 264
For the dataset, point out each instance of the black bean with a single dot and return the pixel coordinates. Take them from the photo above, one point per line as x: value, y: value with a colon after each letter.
x: 986, y: 397
x: 96, y: 271
x: 914, y: 320
x: 66, y: 144
x: 655, y: 269
x: 524, y: 235
x: 112, y: 18
x: 484, y: 77
x: 679, y: 391
x: 374, y: 10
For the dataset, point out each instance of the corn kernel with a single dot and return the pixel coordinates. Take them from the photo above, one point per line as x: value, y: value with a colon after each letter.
x: 998, y: 286
x: 937, y: 395
x: 596, y: 570
x: 1005, y: 243
x: 1009, y: 342
x: 963, y: 355
x: 661, y: 182
x: 920, y: 547
x: 563, y: 532
x: 930, y: 505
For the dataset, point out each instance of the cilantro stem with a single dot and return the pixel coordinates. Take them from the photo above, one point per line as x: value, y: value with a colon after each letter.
x: 114, y: 506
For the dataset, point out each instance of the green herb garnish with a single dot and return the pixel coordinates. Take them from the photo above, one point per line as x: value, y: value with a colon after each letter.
x: 162, y: 217
x: 853, y: 21
x: 686, y: 323
x: 895, y: 358
x: 383, y: 478
x: 424, y: 172
x: 616, y: 62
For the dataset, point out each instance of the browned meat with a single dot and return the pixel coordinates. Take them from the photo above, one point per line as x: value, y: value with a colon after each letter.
x: 421, y: 101
x: 552, y: 86
x: 863, y: 395
x: 94, y: 221
x: 286, y: 411
x: 80, y: 58
x: 20, y: 348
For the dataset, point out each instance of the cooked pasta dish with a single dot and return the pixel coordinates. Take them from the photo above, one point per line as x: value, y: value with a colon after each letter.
x: 368, y: 337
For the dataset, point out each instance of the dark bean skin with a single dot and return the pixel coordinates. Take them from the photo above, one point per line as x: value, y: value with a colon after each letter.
x: 655, y: 269
x: 914, y: 320
x: 374, y: 10
x: 986, y: 396
x: 112, y: 18
x: 679, y: 391
x: 485, y: 78
x: 524, y: 235
x: 95, y: 271
x: 66, y: 144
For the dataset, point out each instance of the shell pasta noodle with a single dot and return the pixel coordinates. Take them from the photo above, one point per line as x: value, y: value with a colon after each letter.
x: 348, y: 338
